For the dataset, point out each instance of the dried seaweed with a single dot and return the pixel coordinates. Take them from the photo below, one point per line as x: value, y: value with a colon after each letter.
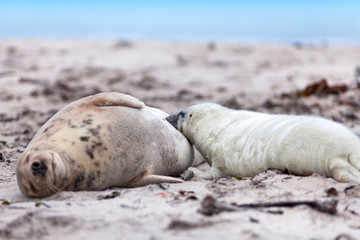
x: 210, y: 206
x: 350, y: 102
x: 109, y: 196
x: 4, y: 157
x: 321, y: 89
x: 331, y: 192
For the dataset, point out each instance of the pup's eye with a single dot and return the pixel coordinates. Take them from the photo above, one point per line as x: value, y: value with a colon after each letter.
x: 182, y: 114
x: 190, y: 115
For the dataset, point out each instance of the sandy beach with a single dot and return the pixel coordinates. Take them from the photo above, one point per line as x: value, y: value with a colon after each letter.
x: 40, y: 77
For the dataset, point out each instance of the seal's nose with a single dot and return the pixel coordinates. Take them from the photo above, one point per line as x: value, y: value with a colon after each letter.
x: 173, y: 119
x: 38, y: 168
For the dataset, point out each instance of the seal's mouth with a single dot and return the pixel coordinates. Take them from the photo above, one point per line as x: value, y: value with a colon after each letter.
x: 34, y: 186
x: 173, y: 120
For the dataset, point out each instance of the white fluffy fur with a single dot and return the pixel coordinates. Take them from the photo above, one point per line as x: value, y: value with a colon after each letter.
x: 244, y: 143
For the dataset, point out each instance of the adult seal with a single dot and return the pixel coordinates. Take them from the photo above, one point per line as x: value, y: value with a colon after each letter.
x: 243, y: 143
x: 102, y: 141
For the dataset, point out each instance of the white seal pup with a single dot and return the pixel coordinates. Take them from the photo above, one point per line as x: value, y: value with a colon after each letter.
x: 243, y: 143
x: 102, y: 141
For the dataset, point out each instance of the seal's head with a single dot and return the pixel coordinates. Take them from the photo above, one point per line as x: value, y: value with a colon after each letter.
x: 193, y: 120
x: 41, y: 171
x: 200, y: 124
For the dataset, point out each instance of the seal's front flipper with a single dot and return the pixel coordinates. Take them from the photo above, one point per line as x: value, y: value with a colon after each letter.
x: 110, y: 99
x: 210, y: 174
x: 153, y: 179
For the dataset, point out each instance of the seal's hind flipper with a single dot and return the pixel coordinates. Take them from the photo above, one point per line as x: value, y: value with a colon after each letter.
x: 153, y: 179
x: 109, y: 99
x: 342, y: 171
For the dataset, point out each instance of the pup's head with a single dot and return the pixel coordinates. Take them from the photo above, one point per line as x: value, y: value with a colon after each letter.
x: 195, y: 119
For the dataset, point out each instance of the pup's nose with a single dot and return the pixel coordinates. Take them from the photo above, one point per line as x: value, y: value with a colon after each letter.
x: 38, y: 168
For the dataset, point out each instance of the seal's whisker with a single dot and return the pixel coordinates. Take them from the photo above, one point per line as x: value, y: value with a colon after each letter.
x: 53, y: 189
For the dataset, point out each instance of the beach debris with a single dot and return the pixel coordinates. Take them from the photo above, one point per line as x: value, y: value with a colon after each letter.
x: 147, y: 82
x: 185, y: 225
x: 161, y: 194
x: 254, y: 220
x: 63, y: 91
x: 349, y: 101
x: 5, y: 202
x: 181, y: 225
x: 276, y: 212
x: 222, y: 89
x: 218, y: 63
x: 352, y: 191
x: 6, y: 96
x: 210, y: 206
x: 349, y: 188
x: 182, y: 60
x: 116, y: 78
x: 123, y: 43
x: 5, y: 118
x: 350, y: 116
x: 11, y: 50
x: 219, y: 179
x: 163, y: 186
x: 321, y: 89
x: 183, y: 192
x: 6, y: 73
x: 347, y: 209
x: 58, y: 86
x: 129, y: 207
x: 357, y: 72
x: 4, y: 157
x: 331, y: 192
x: 29, y: 80
x: 232, y: 103
x: 181, y: 196
x: 190, y: 195
x: 187, y: 94
x: 243, y: 50
x: 39, y: 204
x: 113, y: 194
x: 298, y: 45
x: 344, y: 236
x: 23, y: 129
x: 211, y: 46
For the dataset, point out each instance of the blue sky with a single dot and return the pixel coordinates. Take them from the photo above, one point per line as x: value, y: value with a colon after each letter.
x: 198, y: 20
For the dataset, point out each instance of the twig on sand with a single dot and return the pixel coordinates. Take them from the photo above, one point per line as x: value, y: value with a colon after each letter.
x: 210, y: 206
x: 114, y: 194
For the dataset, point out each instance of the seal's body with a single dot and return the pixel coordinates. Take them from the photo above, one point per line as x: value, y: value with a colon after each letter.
x: 244, y: 143
x: 105, y: 140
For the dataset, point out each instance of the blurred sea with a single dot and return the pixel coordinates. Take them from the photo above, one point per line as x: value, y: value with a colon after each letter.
x: 314, y: 22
